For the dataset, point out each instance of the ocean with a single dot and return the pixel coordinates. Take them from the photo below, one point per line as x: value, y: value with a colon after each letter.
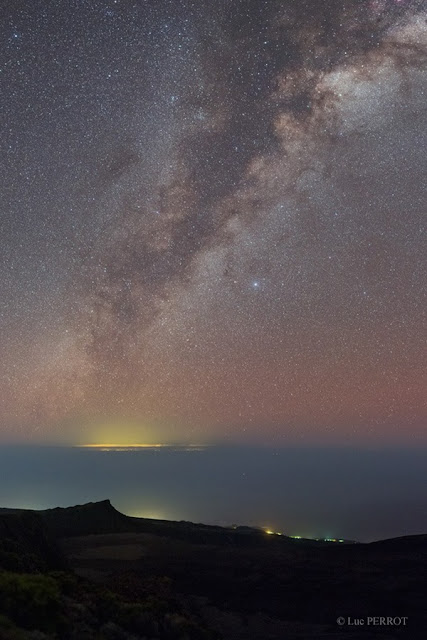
x: 348, y: 493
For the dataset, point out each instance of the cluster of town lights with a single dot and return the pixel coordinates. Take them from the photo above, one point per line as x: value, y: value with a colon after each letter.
x: 278, y: 533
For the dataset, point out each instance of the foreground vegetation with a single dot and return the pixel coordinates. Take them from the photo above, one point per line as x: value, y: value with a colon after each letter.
x: 41, y: 598
x: 61, y: 605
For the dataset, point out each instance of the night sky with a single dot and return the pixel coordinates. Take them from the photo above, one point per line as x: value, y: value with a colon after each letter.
x: 213, y: 220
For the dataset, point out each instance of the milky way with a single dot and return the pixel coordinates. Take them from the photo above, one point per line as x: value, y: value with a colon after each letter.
x: 213, y: 218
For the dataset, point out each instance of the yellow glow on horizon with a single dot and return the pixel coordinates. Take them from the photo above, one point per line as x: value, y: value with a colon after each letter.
x: 109, y: 445
x: 131, y: 433
x: 119, y: 433
x: 112, y: 445
x: 150, y: 515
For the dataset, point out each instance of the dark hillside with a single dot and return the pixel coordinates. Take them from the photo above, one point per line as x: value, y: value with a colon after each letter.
x: 139, y: 578
x: 26, y: 544
x: 86, y: 519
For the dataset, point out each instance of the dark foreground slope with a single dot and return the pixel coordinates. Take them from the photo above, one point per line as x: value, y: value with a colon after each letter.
x: 26, y: 544
x: 105, y: 575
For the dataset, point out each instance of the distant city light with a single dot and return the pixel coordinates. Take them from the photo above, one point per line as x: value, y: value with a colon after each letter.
x: 138, y: 446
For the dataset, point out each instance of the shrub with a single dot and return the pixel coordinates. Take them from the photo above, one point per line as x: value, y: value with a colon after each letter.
x: 9, y: 631
x: 32, y: 601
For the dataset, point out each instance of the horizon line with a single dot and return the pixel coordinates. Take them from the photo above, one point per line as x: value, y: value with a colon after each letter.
x: 137, y: 445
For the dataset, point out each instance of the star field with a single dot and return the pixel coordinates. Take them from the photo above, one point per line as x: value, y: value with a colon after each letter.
x: 213, y: 218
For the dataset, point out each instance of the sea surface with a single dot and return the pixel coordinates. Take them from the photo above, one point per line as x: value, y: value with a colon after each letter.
x: 332, y: 492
